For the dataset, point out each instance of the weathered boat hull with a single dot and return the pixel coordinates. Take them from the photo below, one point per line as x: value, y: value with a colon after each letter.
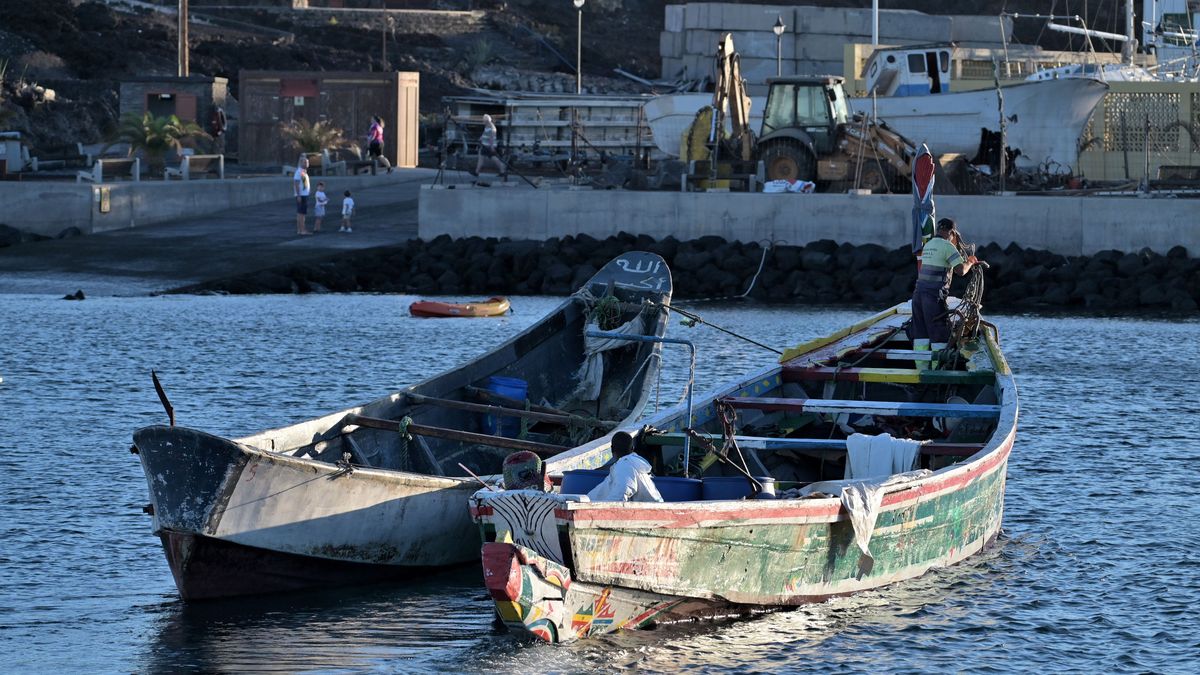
x: 563, y: 569
x: 232, y: 513
x: 914, y: 534
x: 243, y: 515
x: 207, y: 568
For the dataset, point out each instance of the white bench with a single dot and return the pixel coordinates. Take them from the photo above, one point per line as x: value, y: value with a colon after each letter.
x: 321, y: 163
x: 107, y: 169
x: 197, y: 166
x: 60, y: 156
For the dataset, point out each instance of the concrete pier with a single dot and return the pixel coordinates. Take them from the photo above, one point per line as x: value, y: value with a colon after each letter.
x: 49, y: 207
x: 1065, y: 225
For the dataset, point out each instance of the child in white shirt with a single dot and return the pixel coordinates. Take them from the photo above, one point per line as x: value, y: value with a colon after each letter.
x: 347, y: 212
x: 319, y: 212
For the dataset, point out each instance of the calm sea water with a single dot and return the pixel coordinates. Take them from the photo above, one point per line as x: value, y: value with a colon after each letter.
x: 1097, y: 568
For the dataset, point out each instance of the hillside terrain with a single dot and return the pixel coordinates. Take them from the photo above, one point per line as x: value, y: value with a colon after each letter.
x: 82, y: 49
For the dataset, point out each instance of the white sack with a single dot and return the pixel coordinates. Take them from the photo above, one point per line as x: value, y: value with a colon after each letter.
x: 628, y: 481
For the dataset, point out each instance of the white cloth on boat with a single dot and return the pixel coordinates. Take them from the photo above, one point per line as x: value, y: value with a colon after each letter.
x: 591, y: 373
x: 878, y: 456
x: 628, y: 481
x: 862, y: 500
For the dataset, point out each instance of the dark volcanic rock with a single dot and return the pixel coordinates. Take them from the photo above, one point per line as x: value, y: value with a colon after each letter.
x: 823, y: 272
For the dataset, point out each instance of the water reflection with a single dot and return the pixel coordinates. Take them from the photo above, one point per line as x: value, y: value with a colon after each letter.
x: 1095, y: 571
x: 420, y: 624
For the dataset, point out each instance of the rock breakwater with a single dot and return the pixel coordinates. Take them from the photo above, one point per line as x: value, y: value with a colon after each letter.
x: 822, y: 272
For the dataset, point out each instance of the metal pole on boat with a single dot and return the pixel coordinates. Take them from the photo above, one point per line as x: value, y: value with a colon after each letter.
x: 687, y: 442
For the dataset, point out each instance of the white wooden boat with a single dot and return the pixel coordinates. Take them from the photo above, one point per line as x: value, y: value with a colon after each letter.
x: 376, y: 491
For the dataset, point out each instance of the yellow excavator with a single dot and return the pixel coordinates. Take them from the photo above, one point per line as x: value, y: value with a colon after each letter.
x: 807, y: 134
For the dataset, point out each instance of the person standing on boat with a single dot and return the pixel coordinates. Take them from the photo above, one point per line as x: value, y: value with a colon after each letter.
x: 940, y: 261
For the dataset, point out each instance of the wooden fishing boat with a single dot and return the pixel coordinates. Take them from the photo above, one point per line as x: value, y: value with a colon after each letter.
x: 380, y: 490
x: 561, y: 567
x: 495, y: 306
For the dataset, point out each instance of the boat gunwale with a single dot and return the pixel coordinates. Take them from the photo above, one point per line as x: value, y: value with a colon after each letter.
x: 991, y: 457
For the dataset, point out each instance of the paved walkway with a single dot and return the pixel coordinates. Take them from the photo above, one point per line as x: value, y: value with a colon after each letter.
x: 160, y: 257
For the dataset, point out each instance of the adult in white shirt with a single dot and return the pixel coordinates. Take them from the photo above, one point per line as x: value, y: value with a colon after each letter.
x: 300, y: 186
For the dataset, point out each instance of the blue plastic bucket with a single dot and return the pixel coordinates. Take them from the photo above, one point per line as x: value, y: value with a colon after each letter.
x: 511, y: 387
x: 736, y: 487
x: 675, y: 489
x: 581, y: 481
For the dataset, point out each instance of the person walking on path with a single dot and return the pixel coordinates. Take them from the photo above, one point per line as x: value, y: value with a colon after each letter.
x: 487, y: 149
x: 347, y: 212
x: 300, y: 186
x: 321, y: 200
x: 940, y: 261
x: 375, y: 143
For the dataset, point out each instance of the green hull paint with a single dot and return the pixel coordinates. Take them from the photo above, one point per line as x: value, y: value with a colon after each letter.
x: 787, y: 563
x: 632, y: 565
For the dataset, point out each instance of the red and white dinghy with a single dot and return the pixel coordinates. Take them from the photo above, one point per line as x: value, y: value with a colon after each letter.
x: 562, y: 567
x: 494, y: 306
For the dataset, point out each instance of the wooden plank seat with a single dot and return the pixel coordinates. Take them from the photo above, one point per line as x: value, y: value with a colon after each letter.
x: 886, y: 408
x: 537, y: 416
x: 893, y: 354
x: 543, y: 449
x: 811, y: 444
x: 60, y: 156
x: 894, y: 375
x: 111, y: 169
x: 197, y: 166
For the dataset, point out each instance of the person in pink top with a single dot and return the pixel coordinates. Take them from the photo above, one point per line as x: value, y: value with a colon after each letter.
x: 375, y: 143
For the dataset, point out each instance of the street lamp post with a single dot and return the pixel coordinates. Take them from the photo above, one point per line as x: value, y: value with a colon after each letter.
x: 779, y: 28
x: 579, y: 47
x: 578, y: 84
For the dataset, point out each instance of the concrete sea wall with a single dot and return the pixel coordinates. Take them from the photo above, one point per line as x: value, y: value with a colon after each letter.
x: 48, y: 208
x: 1069, y: 226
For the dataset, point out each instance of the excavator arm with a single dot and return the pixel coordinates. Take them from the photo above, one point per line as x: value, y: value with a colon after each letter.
x: 730, y: 98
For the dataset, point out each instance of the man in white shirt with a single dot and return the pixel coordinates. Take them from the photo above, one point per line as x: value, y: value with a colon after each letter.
x: 300, y: 187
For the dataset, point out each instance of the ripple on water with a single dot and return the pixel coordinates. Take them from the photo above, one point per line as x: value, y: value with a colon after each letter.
x: 1095, y: 569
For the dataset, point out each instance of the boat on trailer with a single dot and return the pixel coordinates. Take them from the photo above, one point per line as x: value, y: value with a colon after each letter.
x: 563, y: 567
x: 379, y: 491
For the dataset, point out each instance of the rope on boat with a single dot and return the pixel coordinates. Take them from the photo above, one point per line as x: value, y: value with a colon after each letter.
x: 753, y: 280
x: 695, y: 319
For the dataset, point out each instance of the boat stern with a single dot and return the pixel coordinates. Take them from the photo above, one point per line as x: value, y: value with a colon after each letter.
x: 529, y: 591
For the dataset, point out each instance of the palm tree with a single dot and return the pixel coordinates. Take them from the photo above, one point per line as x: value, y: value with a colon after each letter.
x: 309, y: 137
x: 154, y: 136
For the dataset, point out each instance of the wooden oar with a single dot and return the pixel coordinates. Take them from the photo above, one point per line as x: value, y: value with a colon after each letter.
x: 513, y: 403
x: 554, y: 418
x: 455, y: 435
